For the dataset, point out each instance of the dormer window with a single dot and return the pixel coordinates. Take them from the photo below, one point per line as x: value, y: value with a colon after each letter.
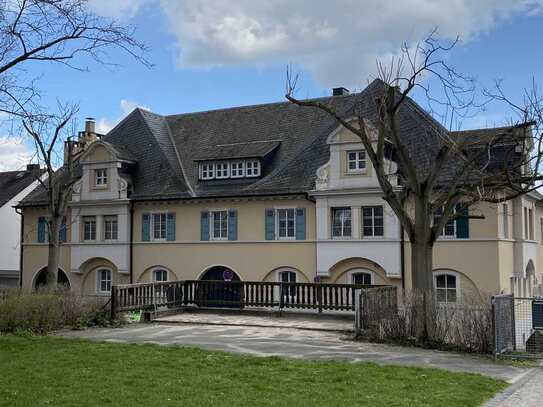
x: 100, y: 177
x: 356, y: 161
x: 237, y: 169
x: 252, y: 168
x: 230, y: 169
x: 222, y: 170
x: 207, y: 171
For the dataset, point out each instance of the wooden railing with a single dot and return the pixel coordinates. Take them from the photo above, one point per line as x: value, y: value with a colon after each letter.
x: 234, y: 294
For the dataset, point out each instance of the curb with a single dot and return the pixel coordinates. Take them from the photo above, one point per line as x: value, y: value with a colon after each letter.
x: 497, y: 400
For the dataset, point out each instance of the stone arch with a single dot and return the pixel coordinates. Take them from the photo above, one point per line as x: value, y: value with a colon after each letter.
x: 40, y: 278
x: 467, y: 289
x: 89, y: 269
x: 271, y: 276
x: 217, y: 268
x: 341, y: 272
x: 147, y: 275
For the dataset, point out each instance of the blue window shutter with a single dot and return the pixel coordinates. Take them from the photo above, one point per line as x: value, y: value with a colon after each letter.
x: 462, y: 223
x: 232, y: 224
x: 62, y: 236
x: 41, y: 229
x: 204, y: 226
x: 300, y: 223
x: 145, y: 227
x: 170, y: 227
x: 270, y: 224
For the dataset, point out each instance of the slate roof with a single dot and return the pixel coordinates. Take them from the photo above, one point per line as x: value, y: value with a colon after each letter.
x: 292, y: 140
x: 14, y: 182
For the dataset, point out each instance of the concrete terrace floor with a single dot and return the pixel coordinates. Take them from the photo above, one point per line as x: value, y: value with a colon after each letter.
x: 292, y: 342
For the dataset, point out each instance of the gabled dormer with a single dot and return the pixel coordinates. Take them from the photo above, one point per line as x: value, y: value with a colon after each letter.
x: 106, y: 173
x: 349, y: 166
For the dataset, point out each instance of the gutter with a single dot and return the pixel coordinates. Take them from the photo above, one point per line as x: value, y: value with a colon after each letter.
x: 21, y: 246
x: 131, y: 248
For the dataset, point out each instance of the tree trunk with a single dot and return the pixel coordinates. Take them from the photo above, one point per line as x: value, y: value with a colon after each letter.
x: 53, y: 258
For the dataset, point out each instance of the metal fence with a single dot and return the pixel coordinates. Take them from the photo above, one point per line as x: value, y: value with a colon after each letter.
x: 518, y: 326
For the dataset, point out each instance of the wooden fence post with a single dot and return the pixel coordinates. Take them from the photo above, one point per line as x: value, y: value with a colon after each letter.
x: 113, y: 302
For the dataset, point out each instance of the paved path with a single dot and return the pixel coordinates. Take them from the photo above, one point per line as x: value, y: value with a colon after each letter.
x: 291, y: 320
x: 527, y: 392
x: 296, y: 343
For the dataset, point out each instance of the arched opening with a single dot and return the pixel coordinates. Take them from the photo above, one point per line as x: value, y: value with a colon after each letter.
x: 41, y: 279
x: 219, y: 288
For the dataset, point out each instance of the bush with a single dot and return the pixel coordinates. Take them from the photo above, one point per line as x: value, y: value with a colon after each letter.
x: 45, y: 311
x: 419, y: 320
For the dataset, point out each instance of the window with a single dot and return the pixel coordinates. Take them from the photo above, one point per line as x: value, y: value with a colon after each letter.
x: 159, y: 226
x: 100, y: 177
x: 446, y: 288
x: 286, y: 223
x: 252, y: 168
x: 222, y: 170
x: 541, y: 228
x: 356, y: 161
x: 237, y: 169
x: 372, y: 221
x: 207, y: 171
x: 104, y: 281
x: 531, y: 234
x: 89, y: 228
x: 220, y: 225
x: 110, y: 227
x: 160, y: 276
x: 505, y: 221
x: 341, y: 222
x: 449, y: 230
x: 361, y: 278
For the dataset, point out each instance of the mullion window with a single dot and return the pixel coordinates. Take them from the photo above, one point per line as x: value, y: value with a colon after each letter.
x: 446, y: 288
x: 110, y: 228
x: 356, y: 161
x: 89, y: 228
x: 341, y: 222
x: 449, y: 230
x: 159, y: 226
x: 286, y: 223
x: 220, y: 224
x: 372, y: 221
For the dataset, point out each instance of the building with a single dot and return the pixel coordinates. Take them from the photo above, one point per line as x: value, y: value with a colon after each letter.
x: 14, y: 186
x: 267, y: 192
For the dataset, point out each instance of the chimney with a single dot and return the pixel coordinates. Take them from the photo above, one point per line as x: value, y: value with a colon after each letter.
x: 341, y: 91
x: 33, y: 168
x: 90, y: 125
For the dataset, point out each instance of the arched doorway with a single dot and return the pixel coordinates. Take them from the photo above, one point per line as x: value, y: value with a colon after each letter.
x: 41, y: 279
x: 219, y: 288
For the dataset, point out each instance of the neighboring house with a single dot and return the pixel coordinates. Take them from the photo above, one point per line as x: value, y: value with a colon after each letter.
x: 14, y: 186
x: 267, y: 192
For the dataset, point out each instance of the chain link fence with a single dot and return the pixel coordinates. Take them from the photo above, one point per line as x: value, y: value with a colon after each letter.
x: 518, y: 326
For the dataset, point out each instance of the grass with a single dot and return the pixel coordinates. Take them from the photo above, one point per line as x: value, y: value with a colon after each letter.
x: 39, y: 370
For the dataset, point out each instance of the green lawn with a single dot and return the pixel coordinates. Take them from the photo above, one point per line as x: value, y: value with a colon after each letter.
x: 36, y: 371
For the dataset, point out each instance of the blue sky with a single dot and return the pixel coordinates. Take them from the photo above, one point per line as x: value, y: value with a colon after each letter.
x: 212, y: 54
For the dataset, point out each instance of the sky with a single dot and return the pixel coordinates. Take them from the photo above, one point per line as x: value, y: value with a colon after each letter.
x: 210, y: 54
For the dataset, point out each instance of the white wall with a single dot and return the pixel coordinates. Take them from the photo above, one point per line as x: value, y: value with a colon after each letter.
x: 10, y: 233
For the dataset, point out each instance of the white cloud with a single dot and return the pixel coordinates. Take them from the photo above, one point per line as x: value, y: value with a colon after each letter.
x: 118, y: 9
x: 105, y: 124
x: 14, y: 154
x: 337, y: 41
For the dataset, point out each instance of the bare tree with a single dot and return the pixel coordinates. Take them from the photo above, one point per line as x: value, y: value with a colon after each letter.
x: 67, y: 33
x: 457, y: 169
x: 64, y: 32
x: 47, y: 132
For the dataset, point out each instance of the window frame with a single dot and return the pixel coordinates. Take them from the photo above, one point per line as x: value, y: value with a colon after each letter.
x: 109, y: 219
x: 241, y: 168
x: 358, y: 271
x: 99, y: 280
x: 457, y: 287
x: 159, y: 270
x: 224, y: 166
x: 343, y: 221
x: 209, y: 171
x: 152, y: 226
x: 255, y: 168
x: 357, y: 160
x: 212, y: 214
x: 289, y: 272
x: 102, y: 178
x: 373, y: 227
x: 90, y: 219
x: 442, y: 234
x: 278, y: 222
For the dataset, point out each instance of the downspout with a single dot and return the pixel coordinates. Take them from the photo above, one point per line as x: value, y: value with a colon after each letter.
x: 131, y: 244
x: 402, y: 255
x: 21, y: 241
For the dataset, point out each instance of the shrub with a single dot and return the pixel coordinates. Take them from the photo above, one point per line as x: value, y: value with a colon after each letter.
x: 45, y: 310
x: 419, y: 320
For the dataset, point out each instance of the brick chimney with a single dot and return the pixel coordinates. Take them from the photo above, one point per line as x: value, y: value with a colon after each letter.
x: 341, y: 91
